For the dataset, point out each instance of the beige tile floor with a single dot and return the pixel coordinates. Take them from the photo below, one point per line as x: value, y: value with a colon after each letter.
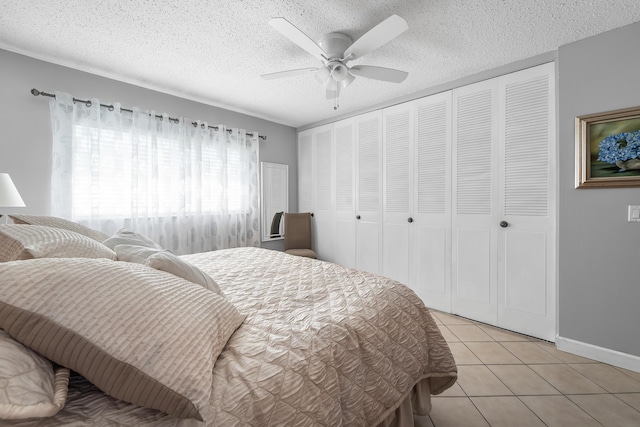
x: 508, y: 379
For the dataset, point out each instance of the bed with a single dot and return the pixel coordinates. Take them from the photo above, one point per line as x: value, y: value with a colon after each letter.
x: 302, y: 343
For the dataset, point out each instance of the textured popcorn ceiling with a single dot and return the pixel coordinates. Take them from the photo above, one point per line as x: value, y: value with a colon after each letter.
x: 215, y: 51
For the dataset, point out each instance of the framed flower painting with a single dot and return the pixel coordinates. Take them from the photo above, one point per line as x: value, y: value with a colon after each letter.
x: 608, y: 149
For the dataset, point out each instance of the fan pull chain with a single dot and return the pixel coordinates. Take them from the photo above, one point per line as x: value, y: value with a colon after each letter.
x: 337, y: 103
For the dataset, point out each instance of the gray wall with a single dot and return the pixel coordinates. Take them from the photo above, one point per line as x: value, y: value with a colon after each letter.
x: 599, y: 251
x: 25, y: 141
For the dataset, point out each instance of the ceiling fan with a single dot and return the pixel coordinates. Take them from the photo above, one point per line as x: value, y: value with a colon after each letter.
x: 335, y: 50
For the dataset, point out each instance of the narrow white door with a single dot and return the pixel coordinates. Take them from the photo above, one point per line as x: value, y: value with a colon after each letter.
x: 431, y: 254
x: 397, y: 195
x: 526, y: 276
x: 474, y: 216
x: 323, y: 213
x: 368, y: 192
x: 344, y: 248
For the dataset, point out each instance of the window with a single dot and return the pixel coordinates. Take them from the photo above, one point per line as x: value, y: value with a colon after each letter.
x: 189, y: 188
x: 116, y: 176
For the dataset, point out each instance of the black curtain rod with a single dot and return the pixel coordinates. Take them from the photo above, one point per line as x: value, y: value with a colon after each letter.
x: 36, y: 92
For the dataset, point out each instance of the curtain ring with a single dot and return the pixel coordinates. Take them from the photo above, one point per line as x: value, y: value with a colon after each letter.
x: 203, y: 126
x: 88, y: 103
x: 110, y: 107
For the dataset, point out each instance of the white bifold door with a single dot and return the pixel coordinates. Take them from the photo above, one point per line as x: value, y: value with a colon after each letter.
x: 344, y: 251
x: 416, y: 197
x: 368, y: 225
x: 340, y: 182
x: 323, y: 232
x: 503, y: 218
x: 431, y: 246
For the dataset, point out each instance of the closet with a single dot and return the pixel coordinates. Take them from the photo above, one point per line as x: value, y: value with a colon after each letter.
x: 452, y: 194
x: 340, y: 181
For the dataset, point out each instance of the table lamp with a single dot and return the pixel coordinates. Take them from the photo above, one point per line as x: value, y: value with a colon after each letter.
x: 9, y: 196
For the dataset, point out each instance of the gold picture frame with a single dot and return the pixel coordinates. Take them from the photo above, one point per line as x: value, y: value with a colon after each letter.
x: 608, y: 149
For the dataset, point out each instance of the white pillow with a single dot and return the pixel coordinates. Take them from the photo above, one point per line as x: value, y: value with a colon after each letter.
x: 168, y: 262
x: 134, y: 253
x: 29, y: 385
x: 128, y: 237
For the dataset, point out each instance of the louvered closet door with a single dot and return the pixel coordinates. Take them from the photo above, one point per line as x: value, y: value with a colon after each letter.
x: 474, y: 216
x: 369, y: 192
x: 526, y: 278
x: 431, y: 229
x: 397, y: 194
x: 323, y: 215
x: 305, y: 171
x: 344, y: 249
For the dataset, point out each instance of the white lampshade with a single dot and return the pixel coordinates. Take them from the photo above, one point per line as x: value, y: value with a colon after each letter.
x: 9, y: 196
x: 322, y: 75
x: 339, y: 72
x: 347, y: 81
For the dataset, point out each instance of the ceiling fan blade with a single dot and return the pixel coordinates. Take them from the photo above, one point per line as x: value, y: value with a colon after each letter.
x: 292, y: 32
x: 288, y: 73
x: 382, y: 33
x: 379, y: 73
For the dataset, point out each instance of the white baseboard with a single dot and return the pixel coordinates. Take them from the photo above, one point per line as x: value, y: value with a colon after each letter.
x: 601, y: 354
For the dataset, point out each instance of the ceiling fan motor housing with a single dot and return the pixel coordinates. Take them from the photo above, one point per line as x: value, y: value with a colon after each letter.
x: 334, y: 44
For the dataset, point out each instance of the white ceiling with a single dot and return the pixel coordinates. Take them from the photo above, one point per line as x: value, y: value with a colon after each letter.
x: 215, y: 51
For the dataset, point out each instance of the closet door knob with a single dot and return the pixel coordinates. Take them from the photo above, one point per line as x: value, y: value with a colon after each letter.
x: 410, y: 219
x: 357, y: 216
x: 504, y: 224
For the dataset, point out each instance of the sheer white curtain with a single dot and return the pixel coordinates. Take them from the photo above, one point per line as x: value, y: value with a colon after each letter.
x: 189, y: 188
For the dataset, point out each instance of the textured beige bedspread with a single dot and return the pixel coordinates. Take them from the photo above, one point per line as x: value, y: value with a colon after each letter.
x: 321, y: 345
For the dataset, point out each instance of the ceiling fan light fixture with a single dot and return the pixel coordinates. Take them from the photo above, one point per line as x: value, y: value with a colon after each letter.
x: 322, y: 75
x: 348, y: 80
x: 339, y: 72
x: 331, y: 85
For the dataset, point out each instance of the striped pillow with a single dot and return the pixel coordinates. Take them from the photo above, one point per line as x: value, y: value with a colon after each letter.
x: 55, y: 222
x: 35, y: 241
x: 138, y: 334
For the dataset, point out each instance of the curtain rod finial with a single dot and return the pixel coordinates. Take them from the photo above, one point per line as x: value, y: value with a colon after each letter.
x: 35, y: 92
